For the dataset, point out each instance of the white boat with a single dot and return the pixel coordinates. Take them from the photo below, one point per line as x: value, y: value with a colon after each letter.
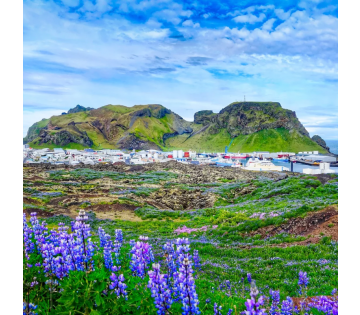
x: 254, y: 164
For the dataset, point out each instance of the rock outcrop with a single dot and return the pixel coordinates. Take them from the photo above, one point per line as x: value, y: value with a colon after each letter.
x: 250, y: 117
x: 321, y: 142
x: 63, y: 138
x: 78, y: 108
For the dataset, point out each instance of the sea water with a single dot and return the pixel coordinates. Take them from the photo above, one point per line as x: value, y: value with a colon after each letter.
x: 333, y: 145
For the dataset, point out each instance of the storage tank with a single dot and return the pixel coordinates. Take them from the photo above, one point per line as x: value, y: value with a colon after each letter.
x: 186, y: 154
x: 170, y: 156
x: 156, y: 156
x: 180, y: 154
x: 175, y: 154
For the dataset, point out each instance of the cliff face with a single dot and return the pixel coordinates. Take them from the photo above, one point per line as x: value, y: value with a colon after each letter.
x: 321, y: 142
x: 249, y: 117
x: 110, y: 126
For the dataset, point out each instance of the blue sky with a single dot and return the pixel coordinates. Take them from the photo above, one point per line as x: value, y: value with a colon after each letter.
x: 185, y: 55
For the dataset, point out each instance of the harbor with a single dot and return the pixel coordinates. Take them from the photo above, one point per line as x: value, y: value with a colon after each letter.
x: 302, y: 162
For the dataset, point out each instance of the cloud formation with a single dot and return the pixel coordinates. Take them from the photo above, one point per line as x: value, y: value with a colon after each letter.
x: 186, y: 56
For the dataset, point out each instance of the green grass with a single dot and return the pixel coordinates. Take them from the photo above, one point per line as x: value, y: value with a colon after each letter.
x: 48, y: 145
x: 272, y: 140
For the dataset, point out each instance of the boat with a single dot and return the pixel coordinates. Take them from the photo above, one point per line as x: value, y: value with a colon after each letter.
x: 235, y: 156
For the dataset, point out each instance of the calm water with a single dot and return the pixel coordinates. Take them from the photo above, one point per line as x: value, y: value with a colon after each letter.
x: 333, y: 145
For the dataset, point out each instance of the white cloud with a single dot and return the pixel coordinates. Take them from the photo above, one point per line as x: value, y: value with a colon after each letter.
x: 249, y: 18
x: 268, y: 25
x: 281, y: 14
x: 190, y: 23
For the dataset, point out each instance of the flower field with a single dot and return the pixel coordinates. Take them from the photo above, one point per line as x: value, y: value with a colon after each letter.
x: 257, y: 250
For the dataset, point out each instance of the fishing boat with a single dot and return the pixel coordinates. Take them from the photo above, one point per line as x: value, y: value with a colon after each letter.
x: 235, y: 156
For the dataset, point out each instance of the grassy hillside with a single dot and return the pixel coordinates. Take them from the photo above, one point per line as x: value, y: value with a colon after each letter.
x: 272, y: 140
x: 77, y: 146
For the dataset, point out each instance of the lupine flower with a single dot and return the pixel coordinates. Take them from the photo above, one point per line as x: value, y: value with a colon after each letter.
x: 253, y: 306
x: 196, y: 257
x: 141, y: 257
x: 303, y: 279
x: 229, y: 311
x: 324, y: 304
x: 101, y: 234
x: 185, y: 288
x: 119, y: 236
x: 217, y: 309
x: 159, y: 290
x: 169, y: 254
x: 108, y: 255
x: 29, y: 308
x: 117, y: 284
x: 287, y: 307
x: 275, y: 300
x: 29, y: 246
x: 248, y: 277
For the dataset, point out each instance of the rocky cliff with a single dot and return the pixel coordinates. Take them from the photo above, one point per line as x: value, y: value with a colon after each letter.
x: 321, y: 142
x: 110, y: 126
x: 249, y: 117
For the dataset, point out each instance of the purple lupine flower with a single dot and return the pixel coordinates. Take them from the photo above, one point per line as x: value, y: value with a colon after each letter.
x: 303, y: 279
x: 275, y: 301
x: 334, y: 291
x: 324, y: 304
x: 108, y: 261
x: 253, y: 307
x: 28, y: 309
x: 159, y: 290
x: 39, y: 230
x: 182, y: 247
x: 185, y: 287
x: 197, y: 264
x: 102, y: 238
x: 47, y: 252
x: 248, y: 277
x: 119, y: 236
x: 117, y: 284
x: 29, y: 246
x: 229, y: 311
x: 287, y: 307
x: 217, y: 309
x: 141, y: 257
x: 169, y: 254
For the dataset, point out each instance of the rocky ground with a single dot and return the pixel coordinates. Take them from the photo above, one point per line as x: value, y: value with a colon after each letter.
x: 37, y: 177
x: 110, y: 197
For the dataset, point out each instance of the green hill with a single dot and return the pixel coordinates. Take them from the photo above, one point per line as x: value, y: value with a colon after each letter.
x: 247, y: 126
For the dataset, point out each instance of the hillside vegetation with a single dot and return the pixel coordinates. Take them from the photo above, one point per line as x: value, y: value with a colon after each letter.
x: 248, y: 126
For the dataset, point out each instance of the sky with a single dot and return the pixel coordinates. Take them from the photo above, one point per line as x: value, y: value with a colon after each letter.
x: 185, y: 55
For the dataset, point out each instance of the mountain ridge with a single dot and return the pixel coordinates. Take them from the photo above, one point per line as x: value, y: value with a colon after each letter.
x: 247, y: 125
